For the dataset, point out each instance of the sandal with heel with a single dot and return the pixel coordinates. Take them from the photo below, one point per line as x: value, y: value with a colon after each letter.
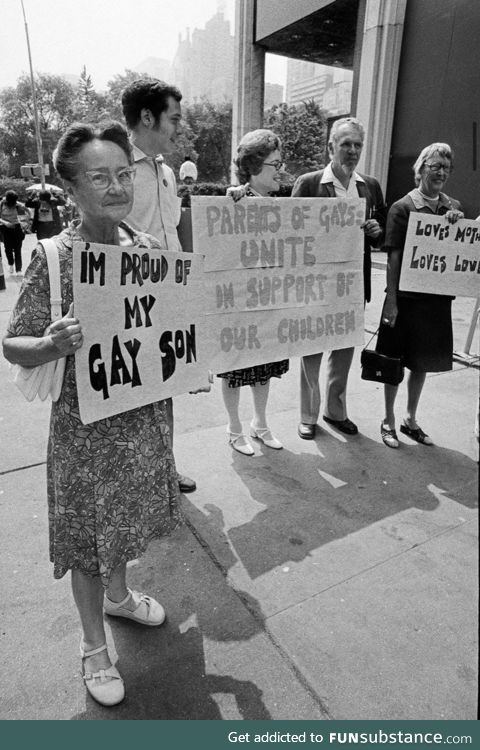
x: 105, y: 686
x: 264, y: 434
x: 245, y: 448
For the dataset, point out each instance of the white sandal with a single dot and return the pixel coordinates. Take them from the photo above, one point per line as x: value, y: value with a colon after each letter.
x: 264, y: 434
x: 147, y: 610
x: 105, y: 686
x: 245, y: 448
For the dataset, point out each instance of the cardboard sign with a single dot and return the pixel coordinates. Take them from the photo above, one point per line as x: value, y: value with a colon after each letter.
x: 441, y: 258
x: 141, y: 314
x: 283, y: 276
x: 269, y: 279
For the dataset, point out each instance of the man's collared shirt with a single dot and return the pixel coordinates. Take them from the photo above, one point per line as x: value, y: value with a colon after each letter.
x: 341, y: 191
x: 156, y: 207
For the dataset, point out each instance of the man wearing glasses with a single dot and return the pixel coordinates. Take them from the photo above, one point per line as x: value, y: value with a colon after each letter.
x: 339, y: 180
x: 153, y: 113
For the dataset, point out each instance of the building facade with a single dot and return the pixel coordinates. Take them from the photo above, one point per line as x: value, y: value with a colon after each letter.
x: 203, y: 63
x: 414, y: 76
x: 329, y: 86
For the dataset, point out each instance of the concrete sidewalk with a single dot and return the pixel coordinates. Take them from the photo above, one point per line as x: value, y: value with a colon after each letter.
x: 336, y: 579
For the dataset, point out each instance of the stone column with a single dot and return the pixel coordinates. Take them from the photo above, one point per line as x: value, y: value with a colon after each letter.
x: 377, y: 82
x: 249, y: 74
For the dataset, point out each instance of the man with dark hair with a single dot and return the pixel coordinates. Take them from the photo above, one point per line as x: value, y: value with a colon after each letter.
x: 153, y: 113
x: 339, y: 180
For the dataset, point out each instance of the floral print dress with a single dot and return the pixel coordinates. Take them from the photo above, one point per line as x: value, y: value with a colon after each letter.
x: 112, y: 485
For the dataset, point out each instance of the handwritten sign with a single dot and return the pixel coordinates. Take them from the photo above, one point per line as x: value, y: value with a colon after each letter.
x: 441, y: 258
x: 141, y: 314
x: 283, y: 276
x: 269, y: 279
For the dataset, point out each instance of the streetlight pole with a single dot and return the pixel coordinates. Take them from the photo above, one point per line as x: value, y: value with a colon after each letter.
x: 38, y: 136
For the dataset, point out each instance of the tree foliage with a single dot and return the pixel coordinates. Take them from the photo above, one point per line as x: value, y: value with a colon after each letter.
x: 302, y: 130
x: 211, y: 125
x: 114, y: 91
x: 88, y: 105
x: 206, y: 135
x: 55, y: 107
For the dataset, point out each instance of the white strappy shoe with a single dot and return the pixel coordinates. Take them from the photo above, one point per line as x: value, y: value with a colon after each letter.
x: 264, y: 434
x: 105, y: 686
x: 235, y: 440
x: 146, y: 610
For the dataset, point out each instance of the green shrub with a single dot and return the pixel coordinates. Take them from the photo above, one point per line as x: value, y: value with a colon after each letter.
x: 200, y: 188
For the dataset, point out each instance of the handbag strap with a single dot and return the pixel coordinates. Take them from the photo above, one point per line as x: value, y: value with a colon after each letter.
x: 53, y: 263
x: 371, y: 339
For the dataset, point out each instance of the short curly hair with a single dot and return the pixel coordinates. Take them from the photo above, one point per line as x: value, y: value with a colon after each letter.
x: 252, y: 151
x: 65, y: 156
x: 147, y: 93
x: 434, y: 149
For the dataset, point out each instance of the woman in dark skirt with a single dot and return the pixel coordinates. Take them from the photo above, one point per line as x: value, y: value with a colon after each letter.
x: 259, y: 170
x: 416, y: 326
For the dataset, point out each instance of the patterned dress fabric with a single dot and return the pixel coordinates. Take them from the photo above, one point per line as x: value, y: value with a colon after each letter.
x: 112, y: 485
x: 259, y: 373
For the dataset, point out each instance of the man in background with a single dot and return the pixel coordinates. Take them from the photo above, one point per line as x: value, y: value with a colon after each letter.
x: 188, y: 172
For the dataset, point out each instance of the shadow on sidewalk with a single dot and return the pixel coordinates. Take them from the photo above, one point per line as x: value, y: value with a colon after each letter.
x: 306, y: 501
x: 170, y: 672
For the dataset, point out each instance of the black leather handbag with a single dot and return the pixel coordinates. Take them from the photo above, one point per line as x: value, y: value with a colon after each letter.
x: 379, y: 367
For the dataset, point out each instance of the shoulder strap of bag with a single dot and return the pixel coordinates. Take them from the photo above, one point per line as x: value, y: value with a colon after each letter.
x: 54, y: 385
x: 53, y: 263
x: 371, y: 339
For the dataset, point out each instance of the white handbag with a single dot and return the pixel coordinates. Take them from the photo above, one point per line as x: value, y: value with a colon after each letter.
x: 45, y: 380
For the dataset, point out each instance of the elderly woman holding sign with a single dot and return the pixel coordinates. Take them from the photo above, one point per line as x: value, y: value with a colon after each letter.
x: 416, y: 327
x: 112, y: 485
x: 259, y: 167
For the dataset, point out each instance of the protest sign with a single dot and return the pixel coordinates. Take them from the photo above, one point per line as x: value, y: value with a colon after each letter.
x: 141, y: 313
x: 283, y: 276
x: 441, y: 258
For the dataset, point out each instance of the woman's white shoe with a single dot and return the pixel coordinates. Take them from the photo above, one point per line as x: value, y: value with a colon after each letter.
x: 239, y: 442
x: 264, y: 434
x: 105, y: 686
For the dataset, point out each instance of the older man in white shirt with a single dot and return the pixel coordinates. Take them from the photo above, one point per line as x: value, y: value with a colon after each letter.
x: 339, y: 180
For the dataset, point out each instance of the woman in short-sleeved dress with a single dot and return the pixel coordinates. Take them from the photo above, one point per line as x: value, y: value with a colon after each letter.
x: 112, y: 485
x: 89, y: 467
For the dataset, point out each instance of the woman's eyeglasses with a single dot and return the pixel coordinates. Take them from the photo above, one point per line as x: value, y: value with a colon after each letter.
x: 277, y: 164
x: 437, y: 167
x: 103, y: 180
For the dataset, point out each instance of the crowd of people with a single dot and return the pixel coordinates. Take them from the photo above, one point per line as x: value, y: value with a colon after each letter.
x: 106, y: 504
x: 43, y: 213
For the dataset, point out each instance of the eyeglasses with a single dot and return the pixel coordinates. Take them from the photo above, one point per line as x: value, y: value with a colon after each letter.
x: 103, y: 180
x: 436, y: 167
x: 277, y: 164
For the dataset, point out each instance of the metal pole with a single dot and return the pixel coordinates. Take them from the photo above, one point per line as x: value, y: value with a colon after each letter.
x: 471, y: 330
x: 38, y: 136
x: 464, y: 357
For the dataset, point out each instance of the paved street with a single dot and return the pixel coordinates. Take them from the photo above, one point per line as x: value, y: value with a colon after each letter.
x: 335, y: 579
